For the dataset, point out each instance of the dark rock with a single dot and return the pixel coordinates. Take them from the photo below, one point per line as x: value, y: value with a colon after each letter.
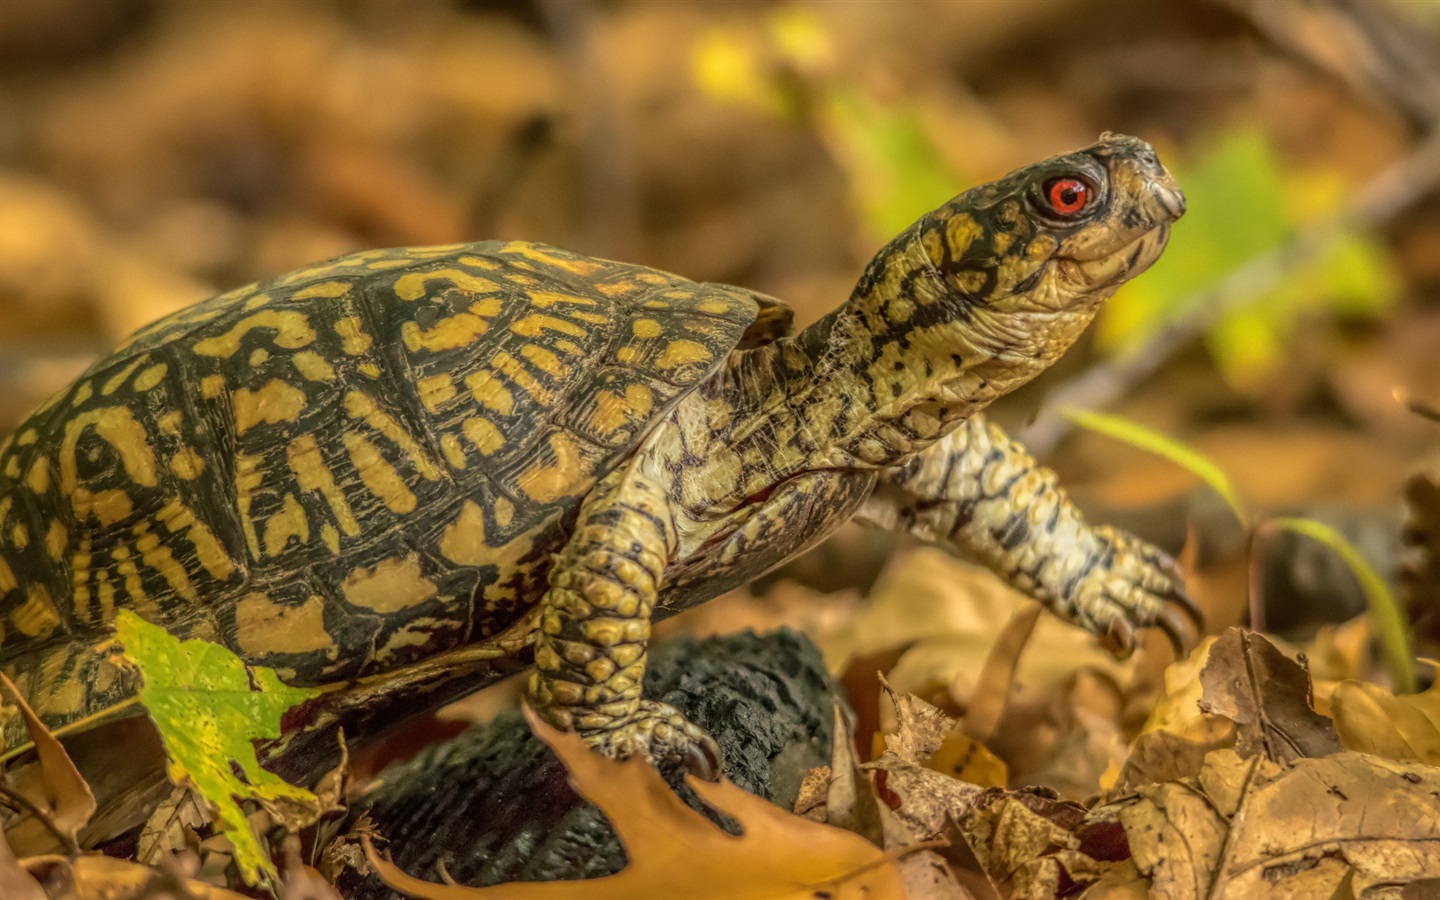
x: 494, y: 804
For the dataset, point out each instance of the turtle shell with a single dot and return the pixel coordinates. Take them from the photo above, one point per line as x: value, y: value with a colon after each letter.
x: 345, y: 468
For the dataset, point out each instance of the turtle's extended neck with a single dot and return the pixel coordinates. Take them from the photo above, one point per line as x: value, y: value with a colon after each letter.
x: 907, y: 358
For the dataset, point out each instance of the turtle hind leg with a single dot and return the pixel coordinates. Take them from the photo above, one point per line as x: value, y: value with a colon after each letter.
x: 590, y: 652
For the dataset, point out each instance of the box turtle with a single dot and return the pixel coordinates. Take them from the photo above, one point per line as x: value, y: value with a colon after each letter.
x: 400, y: 473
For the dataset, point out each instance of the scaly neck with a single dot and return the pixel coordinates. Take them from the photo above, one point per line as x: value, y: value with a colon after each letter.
x: 907, y: 358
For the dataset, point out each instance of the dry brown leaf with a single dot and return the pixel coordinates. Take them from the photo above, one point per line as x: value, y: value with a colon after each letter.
x: 952, y: 612
x: 850, y: 801
x: 167, y: 829
x: 1372, y: 720
x: 675, y: 851
x: 997, y: 676
x: 1161, y: 756
x: 924, y: 800
x: 15, y: 882
x: 1339, y: 653
x: 55, y: 787
x: 1248, y: 827
x: 98, y: 877
x: 925, y: 736
x: 920, y: 727
x: 301, y: 882
x: 1033, y: 845
x: 1174, y: 740
x: 1122, y: 881
x: 927, y: 877
x: 1178, y: 708
x: 1267, y: 694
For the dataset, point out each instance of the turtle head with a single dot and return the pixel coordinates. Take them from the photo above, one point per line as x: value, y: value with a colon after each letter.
x: 981, y: 294
x: 1033, y: 255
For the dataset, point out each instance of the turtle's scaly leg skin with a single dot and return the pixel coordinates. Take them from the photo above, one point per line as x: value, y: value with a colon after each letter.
x: 981, y: 492
x: 590, y: 652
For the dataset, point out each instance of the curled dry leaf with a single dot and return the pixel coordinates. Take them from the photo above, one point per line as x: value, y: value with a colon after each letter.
x: 56, y: 788
x: 1250, y: 828
x: 992, y: 689
x: 920, y: 727
x: 1178, y: 709
x: 1372, y: 720
x: 1162, y: 756
x: 950, y: 614
x: 925, y: 736
x: 923, y: 800
x: 850, y: 801
x: 98, y: 877
x: 1031, y: 844
x: 675, y: 851
x: 1178, y: 734
x: 1267, y: 694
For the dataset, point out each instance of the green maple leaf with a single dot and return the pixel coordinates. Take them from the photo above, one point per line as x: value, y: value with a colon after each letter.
x: 209, y: 713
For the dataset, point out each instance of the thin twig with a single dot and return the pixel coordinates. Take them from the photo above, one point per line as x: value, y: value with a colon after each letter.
x: 1382, y: 199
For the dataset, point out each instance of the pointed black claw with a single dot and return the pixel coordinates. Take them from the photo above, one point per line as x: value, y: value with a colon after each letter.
x: 1179, y: 598
x: 1181, y: 635
x: 702, y: 760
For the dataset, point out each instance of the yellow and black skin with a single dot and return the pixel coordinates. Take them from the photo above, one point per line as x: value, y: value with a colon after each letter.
x: 375, y: 472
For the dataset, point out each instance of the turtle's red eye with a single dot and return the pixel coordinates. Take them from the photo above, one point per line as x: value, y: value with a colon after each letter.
x: 1067, y: 196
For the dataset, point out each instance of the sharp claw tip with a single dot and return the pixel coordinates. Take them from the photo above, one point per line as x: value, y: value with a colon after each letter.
x: 703, y: 763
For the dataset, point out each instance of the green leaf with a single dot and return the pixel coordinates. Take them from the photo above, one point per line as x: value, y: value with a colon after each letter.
x: 891, y: 164
x: 202, y: 702
x: 1137, y: 435
x: 1385, y: 614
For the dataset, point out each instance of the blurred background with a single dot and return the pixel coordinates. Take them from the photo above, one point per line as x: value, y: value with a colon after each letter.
x: 153, y: 152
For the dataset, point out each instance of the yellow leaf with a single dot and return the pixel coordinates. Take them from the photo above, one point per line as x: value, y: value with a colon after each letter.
x: 963, y: 757
x: 209, y: 714
x: 1373, y: 720
x: 675, y: 851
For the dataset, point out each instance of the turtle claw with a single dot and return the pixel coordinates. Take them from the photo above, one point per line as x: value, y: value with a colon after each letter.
x: 1182, y: 638
x: 703, y: 760
x: 661, y: 734
x: 1133, y: 585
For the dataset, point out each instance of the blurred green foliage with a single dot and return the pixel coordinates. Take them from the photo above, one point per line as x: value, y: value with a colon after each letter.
x: 1243, y: 201
x: 893, y: 171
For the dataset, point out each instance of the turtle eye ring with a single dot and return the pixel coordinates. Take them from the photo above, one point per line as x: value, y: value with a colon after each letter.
x: 1068, y: 196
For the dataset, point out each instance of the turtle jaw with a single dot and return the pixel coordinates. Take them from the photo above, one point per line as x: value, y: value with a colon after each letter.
x: 1110, y: 270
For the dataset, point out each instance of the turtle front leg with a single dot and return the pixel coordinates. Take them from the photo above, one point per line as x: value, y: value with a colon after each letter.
x: 983, y: 493
x: 591, y: 649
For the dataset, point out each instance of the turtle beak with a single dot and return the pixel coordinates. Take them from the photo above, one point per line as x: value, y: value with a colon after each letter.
x: 1167, y: 195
